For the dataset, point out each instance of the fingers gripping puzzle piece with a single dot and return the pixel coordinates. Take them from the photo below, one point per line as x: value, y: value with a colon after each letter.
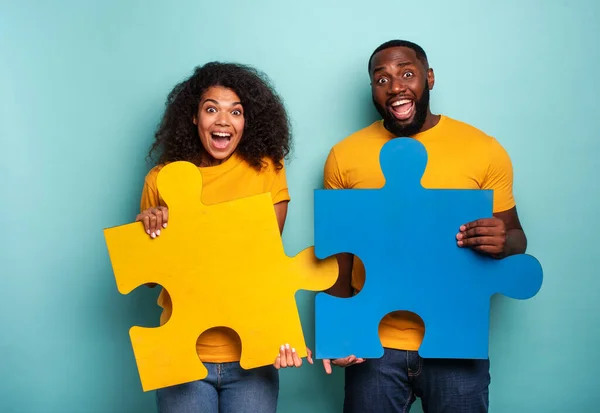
x: 223, y: 266
x: 405, y: 236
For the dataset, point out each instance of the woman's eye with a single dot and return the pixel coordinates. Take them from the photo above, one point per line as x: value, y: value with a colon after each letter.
x: 237, y: 112
x: 211, y: 109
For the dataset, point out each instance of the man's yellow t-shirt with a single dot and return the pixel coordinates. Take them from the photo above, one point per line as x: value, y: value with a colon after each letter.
x: 230, y: 180
x: 459, y: 156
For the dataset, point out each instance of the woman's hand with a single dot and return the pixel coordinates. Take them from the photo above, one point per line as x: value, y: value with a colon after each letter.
x: 289, y: 358
x: 154, y: 219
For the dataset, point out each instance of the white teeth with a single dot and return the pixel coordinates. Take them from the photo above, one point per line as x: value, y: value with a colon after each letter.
x: 222, y: 134
x: 401, y: 102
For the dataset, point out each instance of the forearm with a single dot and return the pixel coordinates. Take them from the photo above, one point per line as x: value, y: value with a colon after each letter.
x: 516, y: 242
x: 343, y: 285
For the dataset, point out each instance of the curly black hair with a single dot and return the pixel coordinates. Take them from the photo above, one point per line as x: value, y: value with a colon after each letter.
x: 267, y: 129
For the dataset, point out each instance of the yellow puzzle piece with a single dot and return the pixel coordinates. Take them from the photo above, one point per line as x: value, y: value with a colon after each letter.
x: 223, y: 266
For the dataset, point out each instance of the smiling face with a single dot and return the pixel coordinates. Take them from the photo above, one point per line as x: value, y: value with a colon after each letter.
x: 400, y: 85
x: 220, y: 122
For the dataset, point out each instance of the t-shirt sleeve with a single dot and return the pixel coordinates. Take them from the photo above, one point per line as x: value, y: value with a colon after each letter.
x: 150, y: 196
x: 332, y: 176
x: 499, y: 177
x: 279, y: 188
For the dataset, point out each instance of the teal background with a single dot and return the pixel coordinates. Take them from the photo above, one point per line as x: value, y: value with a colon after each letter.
x: 82, y: 87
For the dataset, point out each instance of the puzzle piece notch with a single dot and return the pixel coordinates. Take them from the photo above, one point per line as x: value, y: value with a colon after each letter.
x: 356, y: 332
x: 205, y: 263
x: 395, y: 241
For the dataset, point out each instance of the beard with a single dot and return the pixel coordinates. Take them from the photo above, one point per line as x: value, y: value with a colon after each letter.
x: 406, y: 130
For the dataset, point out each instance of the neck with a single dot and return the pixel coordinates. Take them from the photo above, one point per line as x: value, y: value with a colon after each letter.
x: 208, y: 160
x: 430, y: 121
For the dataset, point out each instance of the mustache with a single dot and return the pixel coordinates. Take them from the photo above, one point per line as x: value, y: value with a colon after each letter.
x: 395, y: 127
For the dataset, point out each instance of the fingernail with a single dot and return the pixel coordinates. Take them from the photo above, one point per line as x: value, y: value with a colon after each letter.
x: 148, y: 231
x: 165, y: 225
x: 293, y: 350
x: 282, y: 347
x: 153, y: 235
x: 287, y: 346
x: 158, y: 232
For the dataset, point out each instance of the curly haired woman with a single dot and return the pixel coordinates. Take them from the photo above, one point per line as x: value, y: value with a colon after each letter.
x: 227, y: 120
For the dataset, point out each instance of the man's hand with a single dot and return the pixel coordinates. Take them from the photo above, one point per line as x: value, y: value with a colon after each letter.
x: 486, y: 235
x: 345, y: 362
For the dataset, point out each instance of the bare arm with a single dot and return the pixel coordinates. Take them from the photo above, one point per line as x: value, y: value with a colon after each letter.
x: 515, y: 238
x: 281, y: 209
x: 343, y: 286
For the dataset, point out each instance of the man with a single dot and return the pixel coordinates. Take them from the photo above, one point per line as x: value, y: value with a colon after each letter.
x: 459, y: 156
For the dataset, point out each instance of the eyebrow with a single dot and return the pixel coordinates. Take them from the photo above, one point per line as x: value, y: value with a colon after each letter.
x: 380, y: 68
x: 217, y: 103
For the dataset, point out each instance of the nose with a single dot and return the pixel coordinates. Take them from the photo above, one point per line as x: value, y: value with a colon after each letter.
x: 396, y: 86
x: 222, y: 119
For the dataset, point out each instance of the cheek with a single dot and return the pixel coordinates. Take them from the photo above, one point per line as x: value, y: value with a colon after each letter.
x: 203, y: 126
x: 380, y: 96
x: 417, y: 88
x: 239, y: 125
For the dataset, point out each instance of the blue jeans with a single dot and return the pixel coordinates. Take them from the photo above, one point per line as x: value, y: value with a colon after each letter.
x: 392, y: 383
x: 227, y: 389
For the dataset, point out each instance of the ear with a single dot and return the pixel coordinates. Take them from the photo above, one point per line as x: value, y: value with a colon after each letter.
x: 430, y: 78
x: 195, y: 120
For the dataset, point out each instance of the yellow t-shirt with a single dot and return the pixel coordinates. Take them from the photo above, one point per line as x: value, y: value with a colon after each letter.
x: 459, y: 156
x: 230, y: 180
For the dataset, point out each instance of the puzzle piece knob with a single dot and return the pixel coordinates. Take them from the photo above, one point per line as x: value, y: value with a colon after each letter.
x: 403, y: 162
x: 180, y: 184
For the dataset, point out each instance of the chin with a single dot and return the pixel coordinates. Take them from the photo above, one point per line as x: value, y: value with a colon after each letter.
x: 405, y: 124
x: 220, y: 155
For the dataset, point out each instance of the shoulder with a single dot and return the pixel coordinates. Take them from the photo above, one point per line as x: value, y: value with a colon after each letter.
x: 150, y: 178
x: 359, y: 145
x: 361, y: 137
x: 475, y: 138
x: 274, y: 179
x: 465, y: 129
x: 155, y: 170
x: 270, y: 174
x: 269, y: 167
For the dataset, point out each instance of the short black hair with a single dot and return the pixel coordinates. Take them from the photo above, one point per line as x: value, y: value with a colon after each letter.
x: 421, y: 55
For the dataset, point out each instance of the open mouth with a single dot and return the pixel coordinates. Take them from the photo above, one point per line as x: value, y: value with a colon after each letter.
x: 402, y: 109
x: 220, y: 140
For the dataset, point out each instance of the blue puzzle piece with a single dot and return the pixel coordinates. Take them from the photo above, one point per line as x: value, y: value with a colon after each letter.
x: 406, y: 237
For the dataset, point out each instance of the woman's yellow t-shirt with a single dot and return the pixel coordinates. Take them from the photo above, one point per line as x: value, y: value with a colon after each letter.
x: 227, y: 181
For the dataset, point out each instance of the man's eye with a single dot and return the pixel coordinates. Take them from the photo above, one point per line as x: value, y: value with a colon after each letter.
x: 408, y: 74
x: 381, y: 80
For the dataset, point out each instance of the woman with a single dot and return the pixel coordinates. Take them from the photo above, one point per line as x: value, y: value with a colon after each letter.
x: 227, y: 120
